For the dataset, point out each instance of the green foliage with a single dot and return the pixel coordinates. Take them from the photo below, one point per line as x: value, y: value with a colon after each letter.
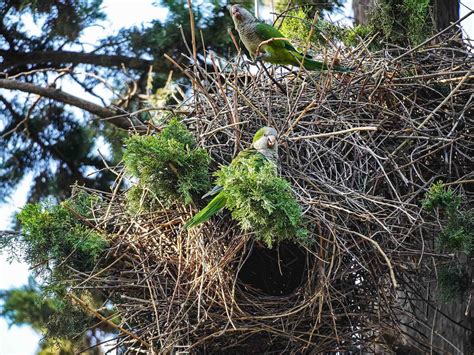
x: 456, y: 236
x: 26, y: 305
x: 68, y: 320
x: 311, y: 6
x: 351, y: 37
x: 297, y: 26
x: 52, y: 315
x: 458, y: 233
x: 440, y: 197
x: 52, y: 234
x: 416, y: 21
x: 453, y: 282
x: 65, y: 19
x: 169, y: 166
x: 55, y: 238
x: 402, y: 21
x: 261, y: 201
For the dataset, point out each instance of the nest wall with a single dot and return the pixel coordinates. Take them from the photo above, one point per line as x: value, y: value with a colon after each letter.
x: 360, y: 151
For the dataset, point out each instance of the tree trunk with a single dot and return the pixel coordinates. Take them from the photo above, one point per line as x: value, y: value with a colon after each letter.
x: 361, y: 10
x: 445, y: 12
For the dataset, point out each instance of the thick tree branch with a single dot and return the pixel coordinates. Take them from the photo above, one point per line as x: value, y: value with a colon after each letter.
x: 14, y: 59
x: 61, y: 96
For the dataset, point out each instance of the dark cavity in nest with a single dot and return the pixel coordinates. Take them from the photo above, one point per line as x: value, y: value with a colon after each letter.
x: 274, y: 272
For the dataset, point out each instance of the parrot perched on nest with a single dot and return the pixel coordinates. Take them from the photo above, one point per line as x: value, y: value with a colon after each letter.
x: 252, y: 32
x: 264, y: 146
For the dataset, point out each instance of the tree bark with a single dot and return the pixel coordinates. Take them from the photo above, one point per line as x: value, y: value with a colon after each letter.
x: 445, y: 12
x: 125, y: 122
x: 15, y: 59
x: 361, y: 10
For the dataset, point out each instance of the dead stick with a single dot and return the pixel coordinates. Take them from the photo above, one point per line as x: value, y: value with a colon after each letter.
x: 86, y: 307
x: 330, y: 134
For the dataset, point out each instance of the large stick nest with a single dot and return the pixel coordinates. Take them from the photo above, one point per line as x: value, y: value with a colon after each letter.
x: 373, y: 255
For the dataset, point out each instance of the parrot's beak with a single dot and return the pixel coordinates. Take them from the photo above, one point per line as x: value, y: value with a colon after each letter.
x: 271, y: 141
x: 234, y: 11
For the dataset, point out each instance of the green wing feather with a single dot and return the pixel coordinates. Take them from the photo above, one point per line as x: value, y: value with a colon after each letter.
x: 216, y: 204
x: 265, y: 32
x: 292, y: 56
x: 311, y: 64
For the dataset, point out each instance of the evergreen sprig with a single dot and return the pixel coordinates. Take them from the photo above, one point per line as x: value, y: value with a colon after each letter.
x: 52, y: 234
x: 456, y: 236
x: 261, y: 201
x: 169, y: 166
x: 439, y: 196
x: 458, y: 233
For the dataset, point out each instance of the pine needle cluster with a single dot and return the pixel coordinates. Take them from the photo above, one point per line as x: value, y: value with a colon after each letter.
x: 457, y: 236
x: 54, y: 233
x: 261, y: 202
x: 169, y: 167
x: 57, y: 240
x: 458, y: 232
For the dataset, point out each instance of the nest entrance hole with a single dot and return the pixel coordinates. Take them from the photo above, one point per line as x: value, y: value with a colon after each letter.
x: 275, y: 272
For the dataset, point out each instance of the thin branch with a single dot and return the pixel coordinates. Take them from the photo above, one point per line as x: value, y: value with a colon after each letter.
x: 61, y: 96
x: 330, y: 134
x: 16, y: 59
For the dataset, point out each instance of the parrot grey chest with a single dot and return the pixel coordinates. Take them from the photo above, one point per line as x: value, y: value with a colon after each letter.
x: 249, y: 37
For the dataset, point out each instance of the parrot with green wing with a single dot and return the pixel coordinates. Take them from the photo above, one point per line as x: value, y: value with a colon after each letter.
x: 264, y: 147
x: 253, y: 32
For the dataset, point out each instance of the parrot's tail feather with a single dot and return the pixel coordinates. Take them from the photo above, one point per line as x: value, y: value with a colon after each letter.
x: 315, y: 65
x: 216, y: 204
x: 310, y: 64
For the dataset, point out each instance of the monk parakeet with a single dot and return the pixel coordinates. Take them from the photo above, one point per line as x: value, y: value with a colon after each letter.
x: 264, y: 148
x: 252, y: 32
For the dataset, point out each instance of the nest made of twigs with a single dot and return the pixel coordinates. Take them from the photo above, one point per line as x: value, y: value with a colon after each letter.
x: 360, y: 151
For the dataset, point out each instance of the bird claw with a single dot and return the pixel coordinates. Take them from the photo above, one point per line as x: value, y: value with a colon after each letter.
x: 248, y: 62
x: 260, y: 57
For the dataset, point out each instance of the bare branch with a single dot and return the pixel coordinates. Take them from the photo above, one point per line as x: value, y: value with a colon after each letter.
x: 121, y: 121
x: 15, y: 59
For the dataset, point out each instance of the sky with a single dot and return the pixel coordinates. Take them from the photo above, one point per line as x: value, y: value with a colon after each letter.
x: 120, y: 13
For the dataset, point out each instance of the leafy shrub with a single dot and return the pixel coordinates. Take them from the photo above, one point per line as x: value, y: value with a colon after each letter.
x: 353, y: 36
x: 297, y: 26
x: 169, y: 166
x: 49, y: 313
x: 440, y: 197
x: 402, y: 21
x: 261, y: 201
x: 456, y: 236
x: 54, y: 239
x: 458, y: 233
x: 26, y: 305
x: 52, y: 234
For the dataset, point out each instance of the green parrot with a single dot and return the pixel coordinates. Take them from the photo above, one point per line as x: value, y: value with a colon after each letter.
x: 264, y: 146
x: 252, y: 32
